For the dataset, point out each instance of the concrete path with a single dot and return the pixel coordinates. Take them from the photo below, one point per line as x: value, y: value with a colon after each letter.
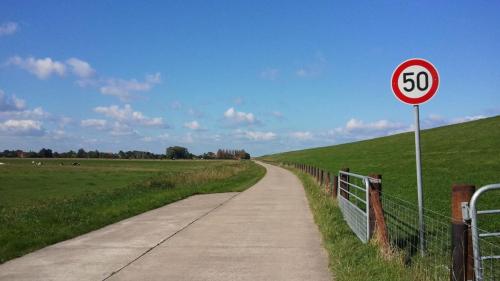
x: 264, y: 233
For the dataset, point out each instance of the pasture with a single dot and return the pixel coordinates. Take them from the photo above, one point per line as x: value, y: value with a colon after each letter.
x: 42, y: 205
x: 463, y: 153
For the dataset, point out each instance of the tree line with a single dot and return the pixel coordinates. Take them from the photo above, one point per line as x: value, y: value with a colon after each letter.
x: 173, y: 152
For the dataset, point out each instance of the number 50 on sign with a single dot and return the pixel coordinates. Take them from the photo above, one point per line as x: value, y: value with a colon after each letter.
x: 415, y: 81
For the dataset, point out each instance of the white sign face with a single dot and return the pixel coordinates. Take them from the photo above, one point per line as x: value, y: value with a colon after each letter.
x: 415, y: 81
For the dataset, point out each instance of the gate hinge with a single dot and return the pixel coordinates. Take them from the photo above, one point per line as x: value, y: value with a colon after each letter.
x: 465, y: 211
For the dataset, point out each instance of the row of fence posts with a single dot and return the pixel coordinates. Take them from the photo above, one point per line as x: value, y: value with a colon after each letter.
x: 462, y: 264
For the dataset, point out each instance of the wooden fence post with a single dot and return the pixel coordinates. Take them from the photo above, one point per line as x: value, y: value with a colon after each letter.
x: 321, y: 177
x: 461, y: 264
x: 377, y: 221
x: 335, y: 186
x: 327, y: 183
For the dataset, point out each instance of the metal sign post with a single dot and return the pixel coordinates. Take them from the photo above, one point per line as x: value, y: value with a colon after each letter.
x: 414, y: 82
x: 421, y: 224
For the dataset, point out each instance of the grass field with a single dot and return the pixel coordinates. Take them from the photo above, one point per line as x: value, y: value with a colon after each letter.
x: 462, y: 153
x: 42, y: 205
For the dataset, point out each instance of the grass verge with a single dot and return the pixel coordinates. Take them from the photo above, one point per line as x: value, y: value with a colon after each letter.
x: 31, y: 226
x: 349, y: 259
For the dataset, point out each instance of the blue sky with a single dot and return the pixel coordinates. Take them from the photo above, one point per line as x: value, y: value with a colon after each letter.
x: 266, y: 76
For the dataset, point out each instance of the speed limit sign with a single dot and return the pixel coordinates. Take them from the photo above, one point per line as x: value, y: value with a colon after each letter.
x: 415, y: 81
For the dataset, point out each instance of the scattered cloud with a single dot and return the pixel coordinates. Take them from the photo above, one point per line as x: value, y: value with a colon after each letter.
x: 239, y: 117
x: 124, y: 89
x: 302, y: 135
x: 358, y: 129
x: 161, y: 137
x: 11, y: 103
x: 435, y: 120
x: 99, y: 124
x: 271, y: 74
x: 80, y: 68
x: 127, y: 115
x: 193, y: 125
x: 8, y: 28
x: 21, y: 128
x: 41, y: 68
x: 256, y: 135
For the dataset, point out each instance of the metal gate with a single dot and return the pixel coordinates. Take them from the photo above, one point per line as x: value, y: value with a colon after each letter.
x: 479, y: 239
x: 354, y: 202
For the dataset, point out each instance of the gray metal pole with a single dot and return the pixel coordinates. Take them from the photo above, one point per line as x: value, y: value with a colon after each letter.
x: 421, y: 226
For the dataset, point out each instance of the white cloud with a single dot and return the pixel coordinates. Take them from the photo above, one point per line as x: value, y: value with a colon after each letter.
x: 466, y: 119
x: 127, y: 115
x: 269, y: 74
x: 382, y: 125
x: 161, y: 137
x: 11, y: 103
x: 21, y: 128
x: 41, y: 68
x: 37, y: 113
x: 122, y: 129
x: 80, y: 68
x: 8, y: 28
x: 256, y: 135
x: 124, y: 89
x: 99, y: 124
x: 238, y: 117
x: 301, y: 135
x: 193, y: 125
x: 356, y: 129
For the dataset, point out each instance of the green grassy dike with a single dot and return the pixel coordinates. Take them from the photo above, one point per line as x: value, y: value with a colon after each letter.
x: 28, y: 227
x: 349, y: 259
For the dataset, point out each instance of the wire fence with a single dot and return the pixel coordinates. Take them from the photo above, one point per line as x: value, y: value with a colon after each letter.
x: 401, y: 218
x: 401, y: 221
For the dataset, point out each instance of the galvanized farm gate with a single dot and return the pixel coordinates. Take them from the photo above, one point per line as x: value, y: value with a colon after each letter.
x: 353, y: 195
x: 480, y: 237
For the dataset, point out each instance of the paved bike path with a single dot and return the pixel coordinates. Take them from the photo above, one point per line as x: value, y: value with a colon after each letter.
x: 264, y: 233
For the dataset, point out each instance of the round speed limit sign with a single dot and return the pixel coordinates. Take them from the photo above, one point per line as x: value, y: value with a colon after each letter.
x: 415, y: 81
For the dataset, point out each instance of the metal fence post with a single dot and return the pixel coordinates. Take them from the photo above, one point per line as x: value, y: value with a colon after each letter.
x: 461, y: 246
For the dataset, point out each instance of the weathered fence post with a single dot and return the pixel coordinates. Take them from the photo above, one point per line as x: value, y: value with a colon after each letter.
x: 327, y: 183
x: 335, y: 186
x: 343, y: 185
x: 321, y: 177
x: 461, y: 246
x: 377, y: 220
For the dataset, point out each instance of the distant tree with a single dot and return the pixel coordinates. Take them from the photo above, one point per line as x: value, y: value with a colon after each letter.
x: 81, y: 153
x: 208, y: 155
x: 178, y: 152
x: 45, y: 153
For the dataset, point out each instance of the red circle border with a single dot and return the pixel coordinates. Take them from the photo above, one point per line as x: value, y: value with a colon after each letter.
x: 425, y: 98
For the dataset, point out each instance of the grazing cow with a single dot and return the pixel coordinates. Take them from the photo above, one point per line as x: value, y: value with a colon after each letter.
x: 76, y: 164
